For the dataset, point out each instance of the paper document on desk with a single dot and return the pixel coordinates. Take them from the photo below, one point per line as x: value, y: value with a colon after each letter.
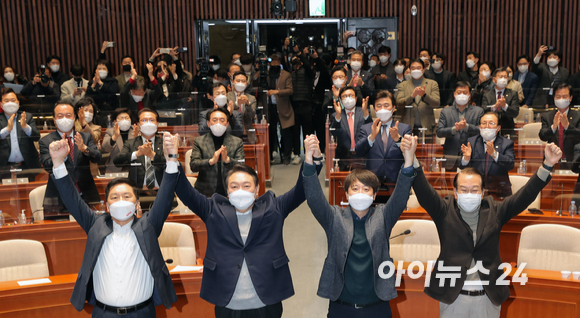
x: 180, y: 268
x: 34, y: 282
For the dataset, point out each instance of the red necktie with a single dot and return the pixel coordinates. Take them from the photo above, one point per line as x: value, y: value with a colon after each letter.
x: 72, y: 149
x: 354, y: 79
x: 351, y: 128
x: 561, y: 139
x: 141, y: 105
x: 499, y: 95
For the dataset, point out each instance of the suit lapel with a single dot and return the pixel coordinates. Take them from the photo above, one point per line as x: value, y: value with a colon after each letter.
x: 3, y: 124
x: 348, y: 224
x: 77, y: 151
x: 258, y: 212
x: 229, y: 213
x: 483, y: 215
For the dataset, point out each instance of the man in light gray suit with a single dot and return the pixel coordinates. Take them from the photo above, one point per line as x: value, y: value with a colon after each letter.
x: 358, y: 236
x: 417, y: 98
x: 457, y: 123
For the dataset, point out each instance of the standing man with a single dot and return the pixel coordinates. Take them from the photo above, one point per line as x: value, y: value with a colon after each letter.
x: 551, y: 75
x: 469, y: 227
x: 361, y: 80
x: 471, y: 74
x: 444, y: 78
x: 384, y: 70
x: 280, y: 110
x: 505, y: 102
x: 527, y: 79
x: 124, y: 274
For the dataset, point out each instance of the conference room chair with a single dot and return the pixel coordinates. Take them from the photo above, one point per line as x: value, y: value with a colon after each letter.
x: 437, y: 114
x: 22, y: 259
x: 36, y: 196
x: 177, y: 243
x: 422, y: 244
x: 530, y: 133
x: 36, y: 142
x: 562, y: 201
x: 550, y: 247
x: 181, y: 208
x: 522, y: 115
x: 413, y: 202
x: 518, y: 182
x: 187, y: 161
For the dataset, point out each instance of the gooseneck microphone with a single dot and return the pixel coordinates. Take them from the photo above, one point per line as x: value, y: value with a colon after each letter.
x: 407, y: 232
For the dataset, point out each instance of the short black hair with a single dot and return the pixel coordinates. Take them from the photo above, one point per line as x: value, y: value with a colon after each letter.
x: 366, y: 177
x: 245, y: 169
x: 493, y: 114
x: 219, y: 110
x: 233, y: 64
x: 441, y: 56
x: 222, y: 73
x: 500, y: 69
x: 148, y: 110
x: 7, y: 90
x: 247, y: 58
x: 62, y: 103
x: 400, y: 61
x: 338, y: 68
x: 232, y: 57
x: 475, y: 54
x: 85, y: 101
x: 385, y: 49
x: 426, y: 49
x: 118, y: 181
x: 122, y: 110
x: 107, y: 65
x: 555, y: 52
x: 346, y: 88
x: 468, y: 171
x: 420, y: 61
x: 128, y: 56
x: 564, y: 86
x: 523, y: 56
x: 53, y: 57
x: 491, y: 66
x: 462, y: 84
x: 240, y: 73
x: 385, y: 94
x: 77, y: 70
x: 216, y: 85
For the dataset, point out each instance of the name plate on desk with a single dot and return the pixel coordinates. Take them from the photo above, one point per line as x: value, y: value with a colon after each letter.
x: 181, y: 268
x: 136, y: 164
x: 162, y: 124
x: 167, y: 114
x: 409, y: 106
x: 18, y: 181
x: 34, y: 282
x: 114, y: 175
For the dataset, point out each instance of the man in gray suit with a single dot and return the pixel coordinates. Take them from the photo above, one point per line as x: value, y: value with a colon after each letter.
x: 357, y: 236
x: 457, y: 123
x: 75, y: 88
x: 417, y: 98
x: 214, y: 154
x: 123, y: 271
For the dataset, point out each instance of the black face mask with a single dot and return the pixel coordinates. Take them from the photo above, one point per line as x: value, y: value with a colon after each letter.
x: 127, y: 68
x: 275, y: 70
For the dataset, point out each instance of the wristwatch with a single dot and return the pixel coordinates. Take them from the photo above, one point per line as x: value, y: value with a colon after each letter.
x: 176, y: 156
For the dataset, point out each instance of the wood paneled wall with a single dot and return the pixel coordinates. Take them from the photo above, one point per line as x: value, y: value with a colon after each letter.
x: 74, y: 29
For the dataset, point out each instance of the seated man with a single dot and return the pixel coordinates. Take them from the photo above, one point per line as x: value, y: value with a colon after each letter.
x: 74, y: 89
x: 469, y: 226
x: 220, y: 98
x: 115, y: 138
x: 505, y: 102
x: 244, y: 103
x: 77, y: 162
x: 383, y: 155
x: 144, y: 155
x: 214, y: 154
x: 358, y: 237
x: 136, y: 96
x: 492, y: 155
x: 457, y: 123
x: 562, y: 125
x: 124, y: 273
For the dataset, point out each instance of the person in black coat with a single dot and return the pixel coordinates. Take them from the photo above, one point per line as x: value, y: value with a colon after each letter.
x: 444, y: 78
x: 135, y: 95
x: 551, y: 75
x: 503, y: 101
x: 56, y: 70
x: 103, y: 89
x: 471, y: 74
x: 529, y: 80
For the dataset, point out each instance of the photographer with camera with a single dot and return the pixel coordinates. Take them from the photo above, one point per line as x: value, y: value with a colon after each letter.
x: 41, y: 85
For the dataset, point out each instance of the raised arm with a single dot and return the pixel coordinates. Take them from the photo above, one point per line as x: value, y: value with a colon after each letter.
x: 395, y: 208
x: 321, y: 209
x: 426, y: 194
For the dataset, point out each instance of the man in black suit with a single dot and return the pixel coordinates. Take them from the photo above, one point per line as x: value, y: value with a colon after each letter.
x: 136, y: 96
x: 18, y: 133
x: 385, y: 69
x: 77, y: 162
x: 219, y: 99
x: 551, y: 75
x: 562, y: 125
x: 492, y: 155
x: 444, y: 78
x: 471, y: 74
x: 144, y: 154
x: 123, y: 271
x: 505, y: 102
x: 360, y: 79
x: 528, y: 80
x: 469, y: 227
x: 574, y: 81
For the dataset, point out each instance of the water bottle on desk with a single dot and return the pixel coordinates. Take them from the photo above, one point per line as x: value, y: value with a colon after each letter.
x: 572, y: 209
x: 45, y: 127
x: 521, y: 168
x: 524, y: 168
x: 101, y: 208
x: 538, y: 118
x: 526, y: 118
x: 22, y: 218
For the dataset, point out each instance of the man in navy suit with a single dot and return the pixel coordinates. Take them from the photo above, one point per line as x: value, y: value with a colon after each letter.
x: 345, y: 125
x: 358, y: 78
x: 527, y: 79
x: 492, y: 155
x: 380, y: 141
x: 246, y: 271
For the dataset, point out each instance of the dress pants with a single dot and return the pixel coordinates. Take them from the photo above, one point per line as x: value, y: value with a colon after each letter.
x: 147, y: 312
x: 319, y: 125
x: 285, y: 145
x: 270, y: 311
x: 302, y: 119
x: 382, y: 310
x: 470, y: 307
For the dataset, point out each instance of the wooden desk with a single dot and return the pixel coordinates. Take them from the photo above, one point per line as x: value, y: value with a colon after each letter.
x: 53, y: 299
x: 64, y: 242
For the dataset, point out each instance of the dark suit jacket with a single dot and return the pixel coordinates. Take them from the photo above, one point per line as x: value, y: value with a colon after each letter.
x: 465, y: 76
x: 571, y: 135
x: 382, y: 163
x: 25, y: 142
x: 446, y: 81
x: 105, y: 95
x: 235, y: 127
x: 529, y: 86
x: 137, y: 167
x: 574, y: 81
x: 456, y: 238
x: 387, y: 70
x: 285, y: 90
x: 391, y: 84
x: 147, y: 229
x: 506, y: 118
x: 368, y: 88
x: 454, y: 139
x: 546, y: 82
x: 341, y: 131
x: 79, y: 171
x: 264, y: 249
x: 498, y: 181
x: 149, y: 101
x: 203, y: 150
x: 574, y: 167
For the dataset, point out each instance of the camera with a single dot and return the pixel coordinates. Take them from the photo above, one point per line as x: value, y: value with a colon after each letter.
x: 204, y: 68
x: 311, y: 50
x: 262, y: 67
x: 42, y: 73
x: 340, y: 60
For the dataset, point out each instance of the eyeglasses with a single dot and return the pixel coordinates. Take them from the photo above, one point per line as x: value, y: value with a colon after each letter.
x: 488, y: 125
x: 347, y: 96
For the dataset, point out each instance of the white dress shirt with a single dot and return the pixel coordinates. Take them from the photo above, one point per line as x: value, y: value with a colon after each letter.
x: 148, y: 161
x: 15, y: 154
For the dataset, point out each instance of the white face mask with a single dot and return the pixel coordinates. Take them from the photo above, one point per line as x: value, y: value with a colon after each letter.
x: 247, y: 68
x: 237, y: 62
x: 148, y: 129
x: 469, y: 202
x: 416, y: 74
x: 510, y: 77
x: 9, y: 76
x: 423, y: 58
x: 319, y: 51
x: 221, y: 100
x: 384, y: 59
x: 461, y: 99
x: 360, y: 201
x: 10, y: 108
x: 122, y: 210
x: 552, y: 62
x: 55, y: 68
x: 218, y: 130
x: 399, y: 69
x: 470, y: 63
x: 349, y: 103
x: 338, y: 83
x: 562, y: 103
x: 355, y: 65
x: 408, y: 77
x: 103, y: 74
x: 523, y: 68
x: 88, y: 117
x: 138, y: 98
x: 240, y: 87
x: 215, y: 67
x: 486, y: 74
x: 124, y: 125
x: 501, y: 82
x: 241, y: 199
x: 372, y: 63
x: 65, y: 124
x: 384, y: 115
x: 436, y: 66
x: 487, y: 133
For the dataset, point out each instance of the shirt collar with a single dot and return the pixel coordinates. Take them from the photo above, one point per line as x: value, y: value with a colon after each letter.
x: 457, y: 107
x: 245, y: 213
x: 502, y: 91
x: 388, y: 124
x: 72, y: 133
x: 145, y: 139
x: 566, y: 112
x: 356, y: 217
x: 122, y: 229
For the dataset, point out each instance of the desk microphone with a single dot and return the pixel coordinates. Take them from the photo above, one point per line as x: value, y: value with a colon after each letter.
x: 169, y: 261
x: 407, y: 232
